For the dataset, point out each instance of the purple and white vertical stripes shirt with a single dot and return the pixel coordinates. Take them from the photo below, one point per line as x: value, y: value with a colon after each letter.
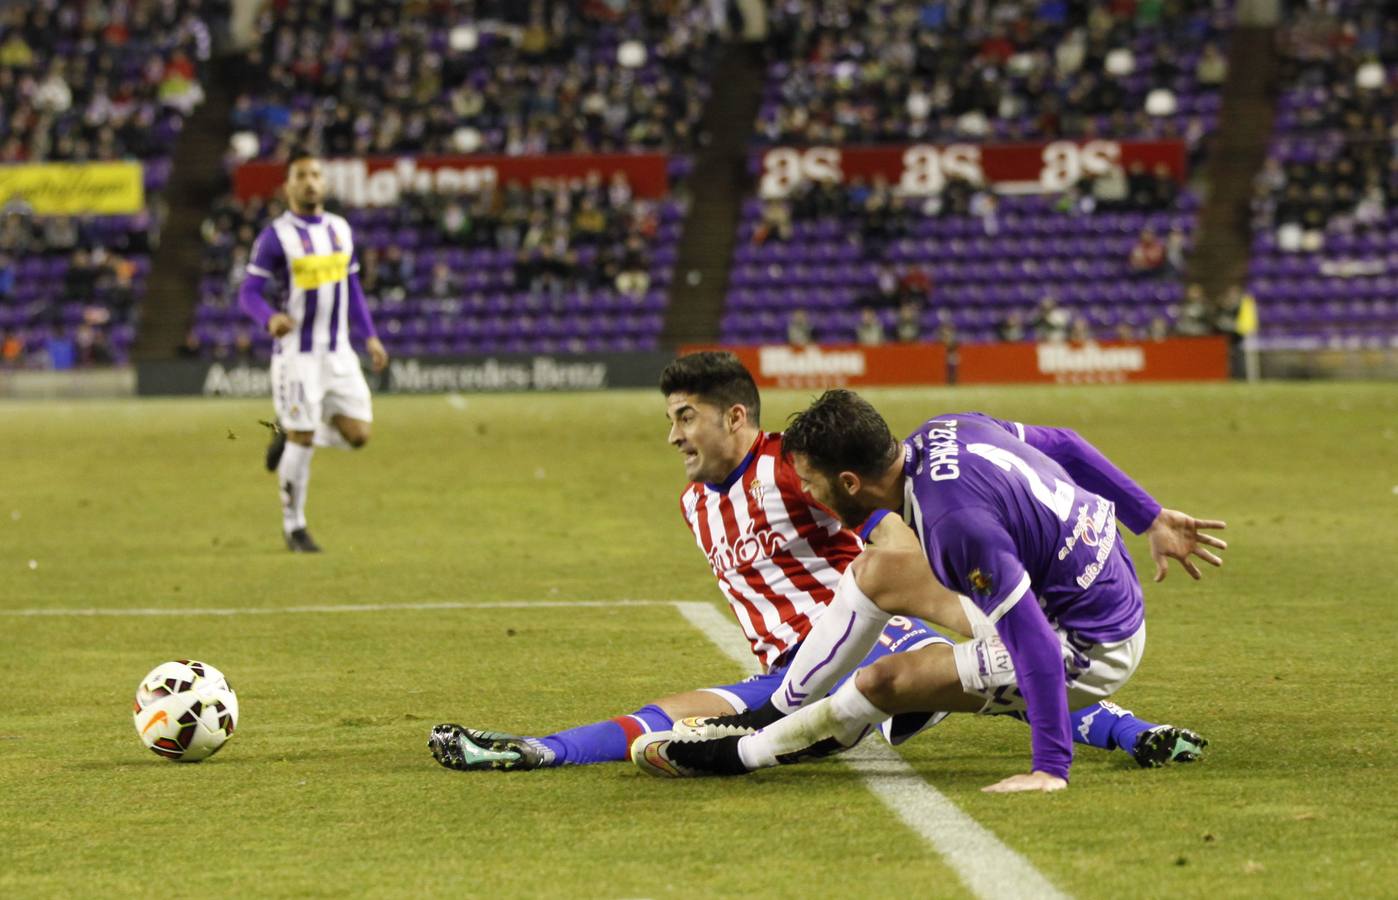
x: 315, y: 256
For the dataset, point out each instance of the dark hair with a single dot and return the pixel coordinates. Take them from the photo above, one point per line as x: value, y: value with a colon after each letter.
x: 297, y: 154
x: 842, y: 432
x: 715, y: 376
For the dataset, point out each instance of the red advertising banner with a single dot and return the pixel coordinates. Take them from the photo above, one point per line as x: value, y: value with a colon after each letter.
x: 382, y: 180
x: 924, y: 169
x: 1110, y: 362
x: 783, y: 366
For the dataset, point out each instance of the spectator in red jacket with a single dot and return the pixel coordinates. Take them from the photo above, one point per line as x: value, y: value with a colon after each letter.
x: 1148, y: 255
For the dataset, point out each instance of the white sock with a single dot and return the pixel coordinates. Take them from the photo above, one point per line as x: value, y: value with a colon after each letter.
x: 293, y: 477
x: 853, y: 709
x: 840, y: 639
x: 847, y: 715
x: 327, y: 435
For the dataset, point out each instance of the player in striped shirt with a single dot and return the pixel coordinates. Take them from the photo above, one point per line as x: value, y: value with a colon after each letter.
x: 318, y: 390
x: 778, y: 557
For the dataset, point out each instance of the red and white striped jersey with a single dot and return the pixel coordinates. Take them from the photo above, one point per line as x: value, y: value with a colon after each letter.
x: 776, y: 553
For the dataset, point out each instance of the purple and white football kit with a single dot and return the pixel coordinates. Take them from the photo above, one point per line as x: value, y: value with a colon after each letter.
x: 315, y: 371
x: 1006, y: 517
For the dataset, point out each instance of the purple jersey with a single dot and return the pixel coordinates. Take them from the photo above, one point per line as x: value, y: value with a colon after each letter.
x: 1004, y: 514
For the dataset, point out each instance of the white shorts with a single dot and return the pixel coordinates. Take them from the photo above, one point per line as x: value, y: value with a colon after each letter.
x: 1093, y: 671
x: 310, y: 388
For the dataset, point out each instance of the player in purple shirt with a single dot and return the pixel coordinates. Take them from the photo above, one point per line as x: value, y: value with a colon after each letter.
x: 318, y: 390
x: 1021, y: 520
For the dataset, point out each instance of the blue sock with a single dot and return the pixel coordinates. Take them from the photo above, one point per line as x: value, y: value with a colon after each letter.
x: 1108, y: 726
x: 606, y: 741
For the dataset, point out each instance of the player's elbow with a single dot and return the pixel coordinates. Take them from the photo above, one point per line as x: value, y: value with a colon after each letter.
x: 1051, y: 439
x: 1069, y: 443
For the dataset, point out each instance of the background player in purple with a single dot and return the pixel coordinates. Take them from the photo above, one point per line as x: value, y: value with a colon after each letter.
x: 1022, y: 521
x: 318, y: 390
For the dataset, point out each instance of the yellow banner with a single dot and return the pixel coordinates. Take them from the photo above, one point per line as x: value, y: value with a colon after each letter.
x: 75, y: 189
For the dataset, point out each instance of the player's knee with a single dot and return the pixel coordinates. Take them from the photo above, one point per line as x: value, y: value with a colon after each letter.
x: 878, y: 576
x: 882, y: 683
x: 303, y: 438
x: 355, y: 433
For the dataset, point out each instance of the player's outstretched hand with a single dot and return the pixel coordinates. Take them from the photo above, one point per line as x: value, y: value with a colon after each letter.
x: 279, y: 324
x: 1034, y: 781
x: 1175, y: 535
x: 378, y: 356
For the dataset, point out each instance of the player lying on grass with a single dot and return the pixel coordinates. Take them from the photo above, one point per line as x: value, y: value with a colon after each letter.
x: 778, y: 558
x: 1022, y: 520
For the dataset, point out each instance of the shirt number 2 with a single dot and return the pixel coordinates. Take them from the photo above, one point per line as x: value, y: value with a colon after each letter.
x: 1059, y: 500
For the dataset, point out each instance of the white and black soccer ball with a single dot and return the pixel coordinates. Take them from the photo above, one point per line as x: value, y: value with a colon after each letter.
x: 185, y: 710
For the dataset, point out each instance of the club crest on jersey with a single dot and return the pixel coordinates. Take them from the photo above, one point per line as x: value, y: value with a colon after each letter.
x: 981, y: 583
x: 756, y: 491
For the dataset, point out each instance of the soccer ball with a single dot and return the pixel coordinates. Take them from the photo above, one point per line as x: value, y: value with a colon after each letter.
x: 185, y: 710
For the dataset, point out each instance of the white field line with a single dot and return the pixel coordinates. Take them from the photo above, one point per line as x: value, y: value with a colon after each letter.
x: 988, y: 868
x: 337, y: 608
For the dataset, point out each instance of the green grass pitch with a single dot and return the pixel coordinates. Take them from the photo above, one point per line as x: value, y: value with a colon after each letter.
x: 1285, y: 659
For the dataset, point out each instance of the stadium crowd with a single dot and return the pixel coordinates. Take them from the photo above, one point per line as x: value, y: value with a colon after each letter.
x: 1338, y: 65
x: 877, y: 214
x: 551, y: 247
x: 84, y: 82
x: 1325, y: 204
x: 1106, y: 258
x: 1050, y: 321
x: 848, y: 72
x: 490, y: 76
x: 1334, y: 164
